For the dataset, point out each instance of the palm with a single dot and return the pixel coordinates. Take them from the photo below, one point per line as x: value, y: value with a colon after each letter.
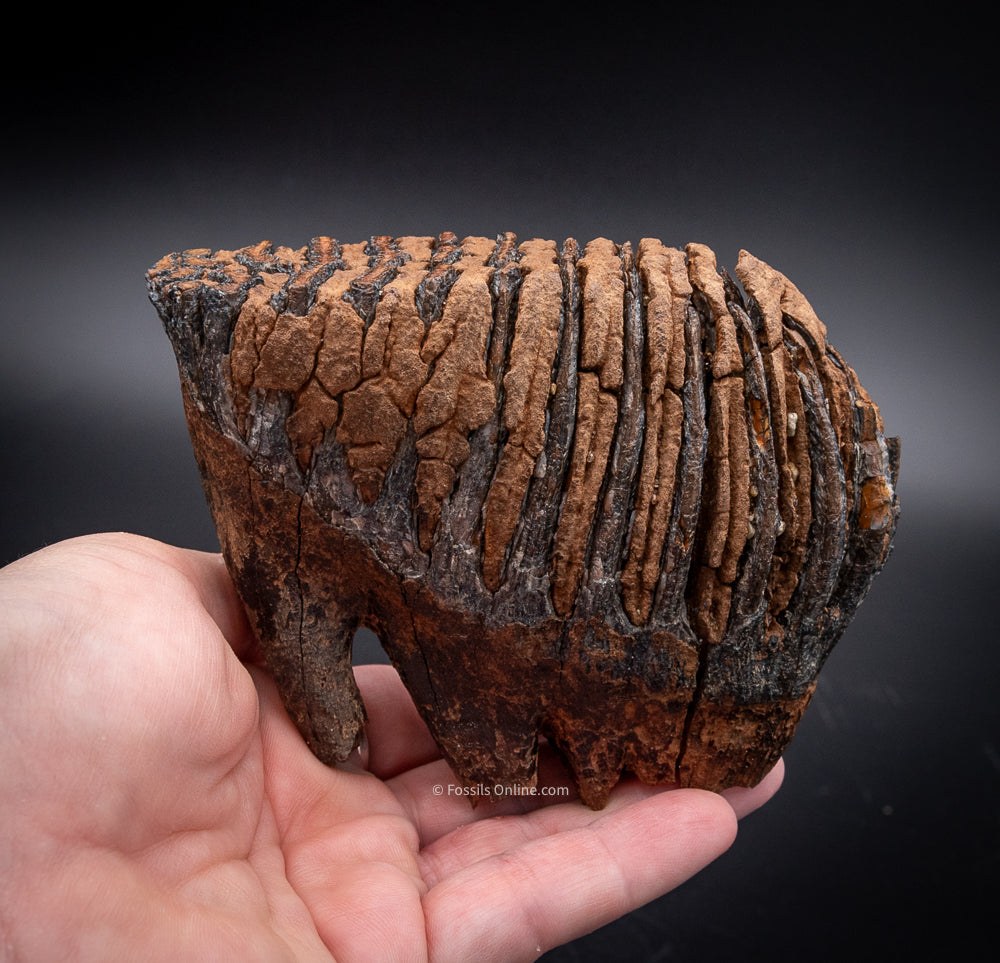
x: 157, y: 798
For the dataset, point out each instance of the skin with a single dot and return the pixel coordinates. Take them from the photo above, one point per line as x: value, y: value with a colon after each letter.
x: 157, y: 802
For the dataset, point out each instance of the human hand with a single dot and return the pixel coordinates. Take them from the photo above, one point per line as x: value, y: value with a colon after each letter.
x: 157, y: 802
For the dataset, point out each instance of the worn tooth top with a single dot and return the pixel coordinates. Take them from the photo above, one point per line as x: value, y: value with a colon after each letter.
x: 600, y: 493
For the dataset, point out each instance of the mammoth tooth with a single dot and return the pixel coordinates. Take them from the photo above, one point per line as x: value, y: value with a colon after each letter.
x: 610, y: 497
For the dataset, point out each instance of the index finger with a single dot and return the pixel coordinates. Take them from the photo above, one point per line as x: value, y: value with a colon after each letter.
x: 398, y: 739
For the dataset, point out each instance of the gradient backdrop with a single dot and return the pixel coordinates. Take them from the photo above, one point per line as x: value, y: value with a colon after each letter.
x: 855, y: 154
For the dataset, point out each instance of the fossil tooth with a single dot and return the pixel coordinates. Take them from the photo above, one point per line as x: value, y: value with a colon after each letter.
x: 607, y: 496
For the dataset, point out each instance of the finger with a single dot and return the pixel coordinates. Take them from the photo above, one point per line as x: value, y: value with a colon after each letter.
x: 583, y: 870
x: 203, y: 572
x: 398, y: 739
x: 745, y: 801
x: 493, y: 830
x: 307, y: 795
x: 207, y: 573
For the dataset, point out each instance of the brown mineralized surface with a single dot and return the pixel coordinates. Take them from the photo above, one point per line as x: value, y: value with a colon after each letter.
x: 602, y: 495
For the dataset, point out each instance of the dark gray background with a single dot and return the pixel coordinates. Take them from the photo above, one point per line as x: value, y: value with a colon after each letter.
x: 855, y: 155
